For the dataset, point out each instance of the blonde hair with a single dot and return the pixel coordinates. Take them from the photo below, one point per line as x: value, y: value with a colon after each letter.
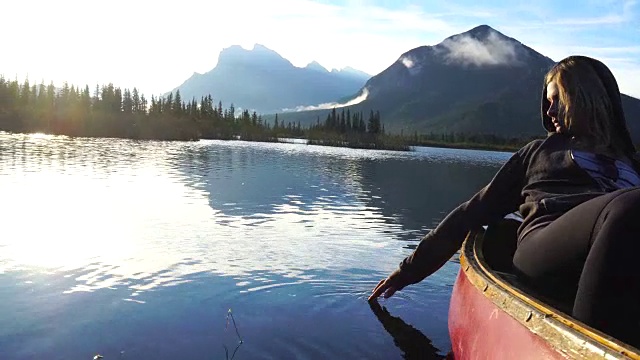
x: 585, y: 106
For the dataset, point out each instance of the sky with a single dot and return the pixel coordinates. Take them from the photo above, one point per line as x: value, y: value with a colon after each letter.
x: 156, y: 45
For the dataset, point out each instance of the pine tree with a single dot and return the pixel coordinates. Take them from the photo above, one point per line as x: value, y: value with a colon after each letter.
x: 135, y: 97
x: 177, y: 104
x: 127, y: 102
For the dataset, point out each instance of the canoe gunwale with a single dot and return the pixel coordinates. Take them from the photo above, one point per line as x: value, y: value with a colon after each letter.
x: 563, y: 333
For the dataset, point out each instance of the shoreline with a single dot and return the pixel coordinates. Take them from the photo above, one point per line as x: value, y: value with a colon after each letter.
x: 472, y: 146
x: 301, y: 141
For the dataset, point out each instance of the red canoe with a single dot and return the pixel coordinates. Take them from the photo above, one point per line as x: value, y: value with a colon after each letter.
x: 492, y: 316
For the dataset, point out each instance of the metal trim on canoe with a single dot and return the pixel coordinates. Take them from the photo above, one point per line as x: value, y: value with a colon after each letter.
x: 563, y: 333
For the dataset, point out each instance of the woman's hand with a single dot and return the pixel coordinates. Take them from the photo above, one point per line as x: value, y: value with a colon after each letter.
x: 396, y: 281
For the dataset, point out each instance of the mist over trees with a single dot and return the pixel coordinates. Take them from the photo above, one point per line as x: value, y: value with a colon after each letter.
x: 109, y: 111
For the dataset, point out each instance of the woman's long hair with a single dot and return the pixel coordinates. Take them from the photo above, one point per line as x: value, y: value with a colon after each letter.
x: 586, y: 106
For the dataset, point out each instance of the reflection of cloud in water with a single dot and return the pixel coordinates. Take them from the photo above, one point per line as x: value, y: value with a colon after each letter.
x: 172, y: 239
x: 245, y: 180
x: 143, y: 215
x: 240, y: 177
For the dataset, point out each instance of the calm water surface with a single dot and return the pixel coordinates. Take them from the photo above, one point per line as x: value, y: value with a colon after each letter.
x: 138, y: 250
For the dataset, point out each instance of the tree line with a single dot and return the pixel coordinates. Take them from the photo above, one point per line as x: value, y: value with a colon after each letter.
x: 109, y: 111
x: 347, y: 128
x: 465, y: 140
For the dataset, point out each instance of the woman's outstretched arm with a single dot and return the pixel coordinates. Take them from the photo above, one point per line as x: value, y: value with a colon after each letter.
x: 500, y: 197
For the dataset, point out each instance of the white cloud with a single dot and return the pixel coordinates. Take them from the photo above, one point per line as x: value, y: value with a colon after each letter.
x: 626, y: 71
x: 411, y: 64
x: 357, y: 100
x: 623, y: 16
x: 156, y: 45
x: 604, y: 15
x: 622, y: 60
x: 407, y: 61
x: 607, y: 50
x: 601, y: 20
x: 468, y: 50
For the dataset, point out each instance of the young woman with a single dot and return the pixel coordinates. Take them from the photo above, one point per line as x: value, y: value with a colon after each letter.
x: 578, y: 193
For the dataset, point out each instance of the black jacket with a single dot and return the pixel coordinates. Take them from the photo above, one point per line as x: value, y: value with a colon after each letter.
x: 541, y: 181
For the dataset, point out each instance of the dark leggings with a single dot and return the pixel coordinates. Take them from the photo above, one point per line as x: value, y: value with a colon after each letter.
x: 594, y: 251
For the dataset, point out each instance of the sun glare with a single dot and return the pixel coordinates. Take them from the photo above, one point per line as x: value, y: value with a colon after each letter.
x: 39, y: 135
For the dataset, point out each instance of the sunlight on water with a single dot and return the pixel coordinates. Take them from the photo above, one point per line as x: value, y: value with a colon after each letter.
x: 41, y: 136
x: 139, y: 217
x: 246, y: 223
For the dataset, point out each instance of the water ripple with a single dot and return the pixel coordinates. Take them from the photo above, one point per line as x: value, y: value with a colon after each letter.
x: 118, y: 234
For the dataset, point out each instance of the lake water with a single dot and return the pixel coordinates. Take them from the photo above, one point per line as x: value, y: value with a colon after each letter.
x: 139, y: 250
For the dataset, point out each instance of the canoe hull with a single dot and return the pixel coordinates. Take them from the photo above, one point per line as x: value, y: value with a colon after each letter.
x: 479, y: 329
x: 493, y: 316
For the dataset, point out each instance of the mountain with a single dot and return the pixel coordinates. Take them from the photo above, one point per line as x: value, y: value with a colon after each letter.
x: 262, y: 80
x: 479, y: 81
x: 351, y: 72
x: 317, y: 67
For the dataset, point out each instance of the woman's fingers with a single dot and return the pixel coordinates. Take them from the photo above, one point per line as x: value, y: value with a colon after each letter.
x: 379, y: 284
x: 388, y: 286
x: 379, y: 289
x: 390, y: 291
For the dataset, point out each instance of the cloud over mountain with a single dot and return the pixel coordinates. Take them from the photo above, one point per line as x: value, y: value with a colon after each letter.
x: 325, y: 106
x: 492, y: 50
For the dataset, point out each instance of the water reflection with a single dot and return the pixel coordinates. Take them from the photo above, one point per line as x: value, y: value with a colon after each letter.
x: 417, y: 194
x: 245, y: 179
x: 135, y: 245
x: 413, y: 190
x: 411, y: 341
x: 231, y: 322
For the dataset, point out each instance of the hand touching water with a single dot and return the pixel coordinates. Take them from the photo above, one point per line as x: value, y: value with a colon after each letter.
x: 394, y: 282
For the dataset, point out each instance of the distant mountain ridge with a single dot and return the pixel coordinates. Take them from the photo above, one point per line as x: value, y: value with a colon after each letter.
x: 262, y: 80
x: 477, y: 82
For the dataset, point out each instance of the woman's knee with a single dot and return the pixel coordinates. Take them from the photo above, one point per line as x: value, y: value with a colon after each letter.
x: 618, y: 224
x: 625, y: 205
x: 521, y: 264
